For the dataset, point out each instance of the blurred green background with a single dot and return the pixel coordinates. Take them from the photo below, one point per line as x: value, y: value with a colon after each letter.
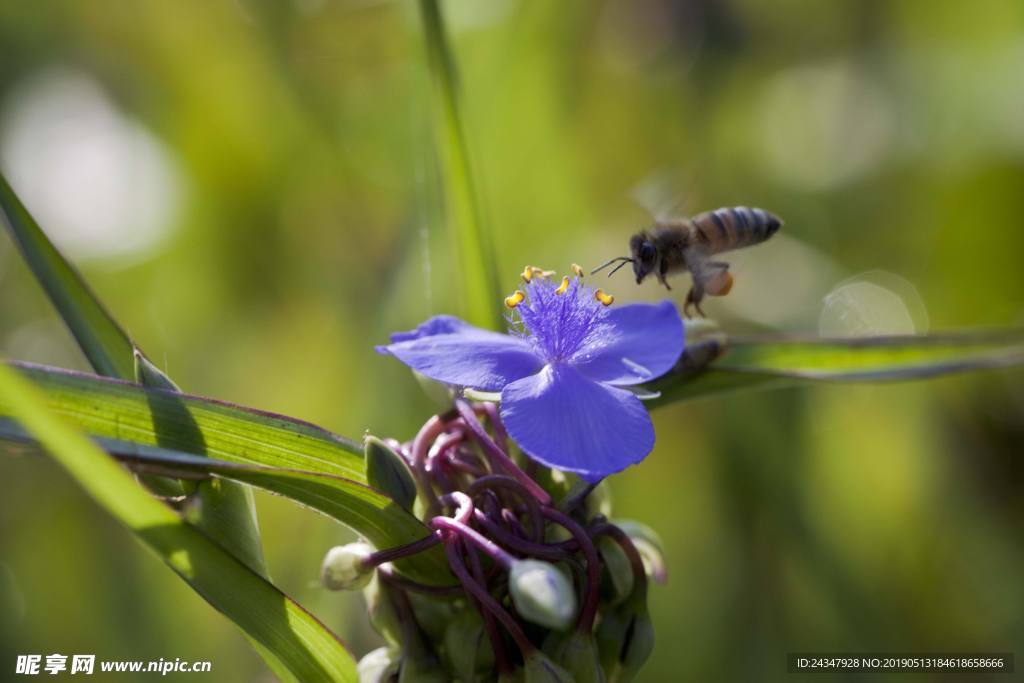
x: 251, y: 187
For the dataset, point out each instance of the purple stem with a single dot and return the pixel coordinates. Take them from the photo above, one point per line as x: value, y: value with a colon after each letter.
x: 433, y: 428
x: 500, y: 435
x: 416, y: 587
x: 497, y: 644
x: 379, y: 557
x: 498, y: 481
x: 589, y: 609
x: 480, y: 593
x: 492, y: 549
x: 520, y: 545
x: 636, y: 562
x: 462, y: 503
x: 498, y: 456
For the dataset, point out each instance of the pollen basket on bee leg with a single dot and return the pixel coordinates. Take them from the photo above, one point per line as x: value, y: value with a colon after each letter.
x: 720, y: 284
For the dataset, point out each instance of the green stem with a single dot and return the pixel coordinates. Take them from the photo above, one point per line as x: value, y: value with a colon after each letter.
x: 480, y: 288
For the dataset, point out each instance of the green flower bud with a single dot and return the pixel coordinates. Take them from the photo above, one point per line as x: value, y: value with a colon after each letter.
x: 616, y: 571
x: 577, y: 653
x: 422, y: 669
x: 539, y: 669
x: 439, y: 393
x: 343, y: 567
x: 382, y: 612
x: 542, y: 594
x: 599, y: 501
x: 378, y: 666
x: 625, y: 639
x: 648, y: 544
x: 468, y: 646
x: 387, y: 472
x: 433, y: 614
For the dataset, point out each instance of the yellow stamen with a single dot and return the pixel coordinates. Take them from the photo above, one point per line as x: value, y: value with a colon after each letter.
x: 577, y: 271
x: 515, y: 299
x: 562, y: 287
x: 606, y: 299
x: 527, y: 274
x: 540, y: 272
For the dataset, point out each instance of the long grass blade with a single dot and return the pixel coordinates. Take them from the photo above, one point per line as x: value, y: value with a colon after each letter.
x: 479, y: 285
x: 295, y: 645
x: 326, y: 471
x: 228, y: 512
x: 761, y: 363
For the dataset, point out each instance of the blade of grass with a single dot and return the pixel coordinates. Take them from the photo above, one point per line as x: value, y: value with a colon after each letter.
x: 153, y: 418
x: 295, y: 645
x: 762, y: 363
x: 479, y: 285
x: 107, y: 347
x: 228, y: 512
x: 379, y: 518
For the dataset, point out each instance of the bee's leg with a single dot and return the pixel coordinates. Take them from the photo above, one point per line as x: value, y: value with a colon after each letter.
x: 661, y: 275
x: 695, y: 296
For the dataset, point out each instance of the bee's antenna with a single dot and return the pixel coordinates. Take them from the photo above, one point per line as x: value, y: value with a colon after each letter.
x: 624, y: 259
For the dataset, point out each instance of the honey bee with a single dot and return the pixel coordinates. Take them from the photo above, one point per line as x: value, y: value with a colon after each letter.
x: 678, y: 245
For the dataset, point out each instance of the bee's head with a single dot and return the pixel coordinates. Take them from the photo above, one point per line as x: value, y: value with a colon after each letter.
x: 645, y: 255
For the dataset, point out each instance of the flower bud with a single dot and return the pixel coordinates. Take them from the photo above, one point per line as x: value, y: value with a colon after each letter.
x: 344, y: 568
x: 616, y: 571
x: 378, y: 666
x: 387, y: 472
x: 542, y: 594
x: 539, y: 669
x: 576, y: 652
x: 382, y: 612
x: 468, y: 646
x: 439, y: 393
x: 648, y: 544
x: 599, y: 501
x: 421, y: 668
x: 625, y: 639
x: 433, y: 614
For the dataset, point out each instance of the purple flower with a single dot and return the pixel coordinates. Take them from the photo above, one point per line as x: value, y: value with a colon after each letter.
x: 560, y: 371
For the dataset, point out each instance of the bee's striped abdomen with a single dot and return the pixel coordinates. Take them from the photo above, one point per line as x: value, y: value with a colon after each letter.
x: 734, y: 228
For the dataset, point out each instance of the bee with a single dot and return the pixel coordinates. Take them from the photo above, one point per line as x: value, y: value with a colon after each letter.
x: 678, y: 245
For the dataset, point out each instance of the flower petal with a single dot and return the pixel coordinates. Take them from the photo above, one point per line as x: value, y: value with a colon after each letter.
x: 449, y: 350
x: 565, y: 420
x: 647, y: 341
x: 439, y: 324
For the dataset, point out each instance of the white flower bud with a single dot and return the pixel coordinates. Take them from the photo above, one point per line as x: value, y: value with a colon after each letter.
x: 542, y: 594
x: 343, y: 567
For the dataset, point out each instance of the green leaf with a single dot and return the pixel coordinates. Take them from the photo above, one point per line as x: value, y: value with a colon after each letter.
x: 151, y: 419
x: 715, y: 366
x: 380, y: 519
x: 229, y: 512
x: 296, y: 646
x: 479, y: 285
x: 108, y: 348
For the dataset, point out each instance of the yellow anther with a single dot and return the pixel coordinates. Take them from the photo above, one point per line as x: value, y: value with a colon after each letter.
x: 515, y: 299
x: 527, y: 274
x: 562, y: 287
x: 577, y: 271
x: 606, y: 299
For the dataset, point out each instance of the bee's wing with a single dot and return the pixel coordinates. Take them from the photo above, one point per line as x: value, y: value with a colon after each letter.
x: 662, y: 194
